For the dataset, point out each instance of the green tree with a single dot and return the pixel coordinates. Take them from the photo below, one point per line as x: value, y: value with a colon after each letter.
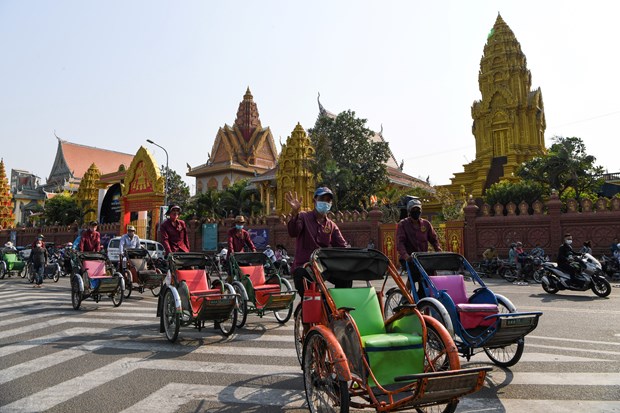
x: 205, y: 205
x: 62, y: 209
x: 178, y: 191
x: 504, y: 192
x: 566, y: 166
x: 239, y: 199
x: 348, y: 160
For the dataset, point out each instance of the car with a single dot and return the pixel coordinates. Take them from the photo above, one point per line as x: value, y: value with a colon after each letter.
x: 155, y: 249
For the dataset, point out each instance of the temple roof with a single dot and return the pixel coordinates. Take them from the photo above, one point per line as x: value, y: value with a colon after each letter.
x: 80, y: 157
x: 73, y: 160
x: 245, y: 146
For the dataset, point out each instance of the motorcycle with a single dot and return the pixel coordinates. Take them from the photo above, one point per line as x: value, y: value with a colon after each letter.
x: 533, y: 268
x: 591, y: 277
x: 611, y: 267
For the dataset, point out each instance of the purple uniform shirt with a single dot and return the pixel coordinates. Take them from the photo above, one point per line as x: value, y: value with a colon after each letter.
x: 174, y: 236
x: 313, y: 232
x: 238, y: 239
x: 414, y: 236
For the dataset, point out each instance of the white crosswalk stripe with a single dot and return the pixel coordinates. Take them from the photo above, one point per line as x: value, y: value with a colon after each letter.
x: 101, y: 347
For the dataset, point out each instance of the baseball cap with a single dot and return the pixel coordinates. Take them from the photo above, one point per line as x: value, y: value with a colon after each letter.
x: 323, y: 190
x: 173, y: 207
x: 414, y: 203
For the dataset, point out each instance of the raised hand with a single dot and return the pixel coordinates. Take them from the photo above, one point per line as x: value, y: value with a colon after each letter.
x: 294, y: 201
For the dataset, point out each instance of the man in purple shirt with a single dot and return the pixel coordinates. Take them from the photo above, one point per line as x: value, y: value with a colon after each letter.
x: 173, y: 232
x: 313, y: 230
x: 413, y: 234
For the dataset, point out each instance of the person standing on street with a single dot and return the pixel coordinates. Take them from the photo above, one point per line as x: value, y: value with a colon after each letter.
x: 174, y: 232
x: 414, y: 234
x: 312, y: 230
x: 38, y: 259
x: 91, y: 239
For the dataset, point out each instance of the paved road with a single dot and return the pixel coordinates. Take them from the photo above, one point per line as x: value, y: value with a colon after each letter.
x: 106, y: 359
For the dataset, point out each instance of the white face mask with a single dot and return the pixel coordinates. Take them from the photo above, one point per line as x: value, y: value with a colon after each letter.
x: 568, y: 241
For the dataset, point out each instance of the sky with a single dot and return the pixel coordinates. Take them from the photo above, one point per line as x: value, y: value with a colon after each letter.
x: 114, y: 73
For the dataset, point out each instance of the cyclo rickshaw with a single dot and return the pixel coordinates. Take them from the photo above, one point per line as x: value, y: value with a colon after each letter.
x: 481, y: 321
x: 94, y: 276
x: 352, y: 357
x: 260, y: 287
x: 189, y: 296
x: 11, y: 262
x: 140, y: 272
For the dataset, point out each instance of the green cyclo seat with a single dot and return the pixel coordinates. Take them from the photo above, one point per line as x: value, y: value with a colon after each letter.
x: 389, y: 354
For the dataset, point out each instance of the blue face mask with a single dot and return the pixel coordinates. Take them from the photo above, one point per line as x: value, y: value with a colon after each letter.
x: 239, y: 226
x: 323, y: 207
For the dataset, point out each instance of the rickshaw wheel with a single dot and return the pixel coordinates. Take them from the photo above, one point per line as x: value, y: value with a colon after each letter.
x: 56, y: 276
x: 393, y: 298
x: 128, y: 283
x: 430, y: 309
x: 284, y: 315
x: 298, y: 331
x: 508, y: 355
x: 227, y: 327
x: 117, y: 295
x: 156, y: 290
x: 242, y: 307
x: 76, y: 296
x: 324, y: 392
x: 171, y: 317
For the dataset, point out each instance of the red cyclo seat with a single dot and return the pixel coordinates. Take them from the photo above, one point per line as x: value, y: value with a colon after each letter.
x: 257, y: 277
x: 196, y: 281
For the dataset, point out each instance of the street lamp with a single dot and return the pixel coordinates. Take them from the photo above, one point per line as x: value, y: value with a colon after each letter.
x: 167, y: 170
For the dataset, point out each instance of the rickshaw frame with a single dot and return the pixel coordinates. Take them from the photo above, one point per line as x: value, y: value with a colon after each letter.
x: 441, y: 382
x: 499, y: 332
x: 174, y: 307
x: 107, y: 285
x: 131, y: 273
x: 280, y: 301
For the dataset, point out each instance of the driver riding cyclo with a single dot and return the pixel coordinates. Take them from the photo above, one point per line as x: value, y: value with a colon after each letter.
x: 566, y: 261
x: 312, y: 230
x: 413, y: 234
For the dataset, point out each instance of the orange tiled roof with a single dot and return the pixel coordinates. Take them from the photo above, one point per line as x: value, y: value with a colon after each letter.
x: 80, y: 157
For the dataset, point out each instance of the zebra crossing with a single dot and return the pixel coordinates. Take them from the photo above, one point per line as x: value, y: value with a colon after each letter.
x: 101, y: 358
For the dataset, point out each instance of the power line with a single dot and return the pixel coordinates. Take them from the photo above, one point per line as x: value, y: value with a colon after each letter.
x: 588, y: 119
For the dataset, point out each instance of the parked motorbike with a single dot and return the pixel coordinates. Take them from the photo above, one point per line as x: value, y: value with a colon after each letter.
x: 611, y: 267
x: 590, y: 277
x: 532, y: 268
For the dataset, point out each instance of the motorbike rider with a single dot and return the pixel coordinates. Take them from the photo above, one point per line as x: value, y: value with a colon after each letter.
x: 566, y: 258
x: 586, y: 248
x: 281, y: 256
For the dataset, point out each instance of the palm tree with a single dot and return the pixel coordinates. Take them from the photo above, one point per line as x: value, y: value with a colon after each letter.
x: 240, y: 199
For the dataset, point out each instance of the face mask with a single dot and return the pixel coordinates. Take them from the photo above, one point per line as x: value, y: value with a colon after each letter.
x: 323, y: 207
x: 239, y: 226
x: 415, y: 214
x: 569, y: 241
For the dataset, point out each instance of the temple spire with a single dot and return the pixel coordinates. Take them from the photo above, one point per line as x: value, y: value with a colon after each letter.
x: 247, y: 116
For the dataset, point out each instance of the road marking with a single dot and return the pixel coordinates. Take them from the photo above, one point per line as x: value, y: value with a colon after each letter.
x: 36, y: 342
x: 583, y: 350
x: 172, y: 396
x: 52, y: 396
x: 477, y: 405
x: 574, y: 340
